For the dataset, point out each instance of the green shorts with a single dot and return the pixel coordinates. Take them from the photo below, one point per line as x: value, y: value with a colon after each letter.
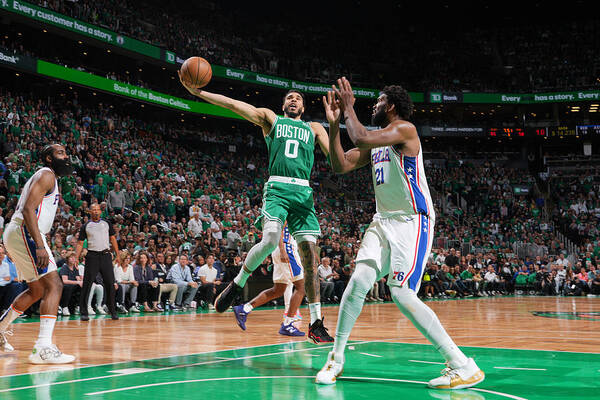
x: 294, y: 203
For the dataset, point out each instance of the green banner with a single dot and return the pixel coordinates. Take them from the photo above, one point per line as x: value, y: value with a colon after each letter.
x: 532, y: 98
x: 287, y: 84
x: 127, y: 90
x: 62, y: 21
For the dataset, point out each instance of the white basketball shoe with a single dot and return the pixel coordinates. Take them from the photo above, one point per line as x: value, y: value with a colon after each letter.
x: 331, y: 371
x: 4, y: 342
x: 458, y: 378
x: 49, y: 355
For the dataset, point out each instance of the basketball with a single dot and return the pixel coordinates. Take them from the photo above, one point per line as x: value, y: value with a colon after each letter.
x: 196, y: 72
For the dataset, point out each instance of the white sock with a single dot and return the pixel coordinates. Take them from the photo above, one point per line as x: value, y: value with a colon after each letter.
x: 287, y: 320
x: 427, y: 322
x: 287, y: 295
x: 46, y: 328
x: 242, y: 276
x: 351, y: 305
x: 315, y: 312
x: 8, y: 317
x: 248, y: 308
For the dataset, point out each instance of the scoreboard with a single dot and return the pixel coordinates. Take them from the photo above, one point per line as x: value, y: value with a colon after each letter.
x: 558, y: 131
x: 585, y: 130
x: 506, y: 132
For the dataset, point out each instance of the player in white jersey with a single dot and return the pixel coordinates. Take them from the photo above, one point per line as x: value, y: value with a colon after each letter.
x: 286, y: 270
x: 398, y: 241
x: 25, y: 242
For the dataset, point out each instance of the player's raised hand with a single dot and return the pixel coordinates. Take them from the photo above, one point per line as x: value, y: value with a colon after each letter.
x: 186, y: 85
x: 332, y: 108
x: 344, y: 93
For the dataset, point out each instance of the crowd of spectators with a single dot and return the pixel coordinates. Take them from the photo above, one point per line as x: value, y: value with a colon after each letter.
x: 529, y: 56
x: 184, y: 217
x: 577, y: 204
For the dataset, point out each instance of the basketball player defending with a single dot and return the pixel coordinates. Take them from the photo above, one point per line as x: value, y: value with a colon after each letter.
x: 25, y: 241
x: 398, y: 241
x: 287, y: 194
x: 287, y: 273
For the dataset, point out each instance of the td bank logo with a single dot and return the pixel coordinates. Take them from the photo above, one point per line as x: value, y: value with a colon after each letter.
x: 435, y: 97
x: 170, y: 57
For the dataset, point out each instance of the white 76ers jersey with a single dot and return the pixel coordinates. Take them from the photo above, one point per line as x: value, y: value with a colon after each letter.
x: 400, y: 183
x: 46, y: 210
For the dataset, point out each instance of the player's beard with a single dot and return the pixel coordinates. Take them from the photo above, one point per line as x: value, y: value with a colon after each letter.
x: 293, y: 114
x: 61, y: 167
x: 379, y: 118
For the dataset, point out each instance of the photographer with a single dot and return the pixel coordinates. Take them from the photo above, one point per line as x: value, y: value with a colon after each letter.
x: 547, y: 286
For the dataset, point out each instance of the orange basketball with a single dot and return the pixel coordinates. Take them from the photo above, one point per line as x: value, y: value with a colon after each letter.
x: 196, y: 72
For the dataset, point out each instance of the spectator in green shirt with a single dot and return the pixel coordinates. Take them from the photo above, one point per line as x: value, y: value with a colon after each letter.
x: 100, y: 190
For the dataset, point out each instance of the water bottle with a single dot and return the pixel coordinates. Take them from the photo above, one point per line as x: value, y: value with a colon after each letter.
x: 167, y: 305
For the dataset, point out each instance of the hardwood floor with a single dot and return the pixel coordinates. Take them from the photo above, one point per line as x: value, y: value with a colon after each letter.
x: 488, y: 322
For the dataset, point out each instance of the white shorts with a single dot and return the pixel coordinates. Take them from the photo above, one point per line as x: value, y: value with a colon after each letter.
x: 291, y: 271
x: 399, y: 248
x: 21, y: 250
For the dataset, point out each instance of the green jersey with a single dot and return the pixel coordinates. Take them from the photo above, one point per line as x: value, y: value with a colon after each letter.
x: 291, y: 145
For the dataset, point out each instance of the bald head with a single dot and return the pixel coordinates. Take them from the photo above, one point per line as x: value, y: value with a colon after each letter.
x: 95, y: 211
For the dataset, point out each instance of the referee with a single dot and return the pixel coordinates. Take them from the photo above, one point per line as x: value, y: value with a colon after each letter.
x: 100, y: 236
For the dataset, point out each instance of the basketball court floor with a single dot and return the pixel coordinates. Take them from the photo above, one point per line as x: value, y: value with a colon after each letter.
x: 529, y: 348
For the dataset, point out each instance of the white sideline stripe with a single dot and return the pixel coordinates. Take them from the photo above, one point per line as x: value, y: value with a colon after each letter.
x: 155, y: 357
x: 371, y: 355
x: 510, y: 396
x: 395, y: 341
x: 426, y: 362
x: 523, y: 369
x: 169, y: 368
x: 131, y: 370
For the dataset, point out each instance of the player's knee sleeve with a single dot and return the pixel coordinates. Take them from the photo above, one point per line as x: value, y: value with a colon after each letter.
x: 362, y: 280
x: 414, y: 309
x: 268, y: 244
x: 271, y: 235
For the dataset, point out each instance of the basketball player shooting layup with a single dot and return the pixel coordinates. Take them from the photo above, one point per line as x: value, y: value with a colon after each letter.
x: 287, y: 194
x: 25, y: 241
x: 398, y: 241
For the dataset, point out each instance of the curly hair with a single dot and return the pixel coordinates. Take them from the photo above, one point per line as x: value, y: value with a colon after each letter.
x: 399, y: 97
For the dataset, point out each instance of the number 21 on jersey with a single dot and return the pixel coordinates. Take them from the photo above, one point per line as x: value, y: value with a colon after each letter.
x: 379, y: 175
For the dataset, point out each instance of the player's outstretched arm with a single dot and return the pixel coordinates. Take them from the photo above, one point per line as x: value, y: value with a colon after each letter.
x: 395, y: 133
x: 341, y: 162
x: 262, y: 117
x: 321, y: 136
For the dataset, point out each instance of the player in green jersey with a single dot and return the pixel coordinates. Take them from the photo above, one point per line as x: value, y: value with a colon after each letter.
x: 287, y: 196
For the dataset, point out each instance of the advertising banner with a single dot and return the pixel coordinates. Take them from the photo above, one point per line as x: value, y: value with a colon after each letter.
x: 127, y: 90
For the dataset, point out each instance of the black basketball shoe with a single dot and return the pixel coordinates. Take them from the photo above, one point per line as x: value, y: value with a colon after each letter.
x: 226, y: 297
x: 318, y: 334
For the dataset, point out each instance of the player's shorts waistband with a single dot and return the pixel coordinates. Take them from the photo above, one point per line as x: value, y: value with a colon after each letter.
x: 287, y: 179
x: 18, y: 221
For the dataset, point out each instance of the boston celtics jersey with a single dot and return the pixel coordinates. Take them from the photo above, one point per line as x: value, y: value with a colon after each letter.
x: 400, y: 183
x: 291, y: 144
